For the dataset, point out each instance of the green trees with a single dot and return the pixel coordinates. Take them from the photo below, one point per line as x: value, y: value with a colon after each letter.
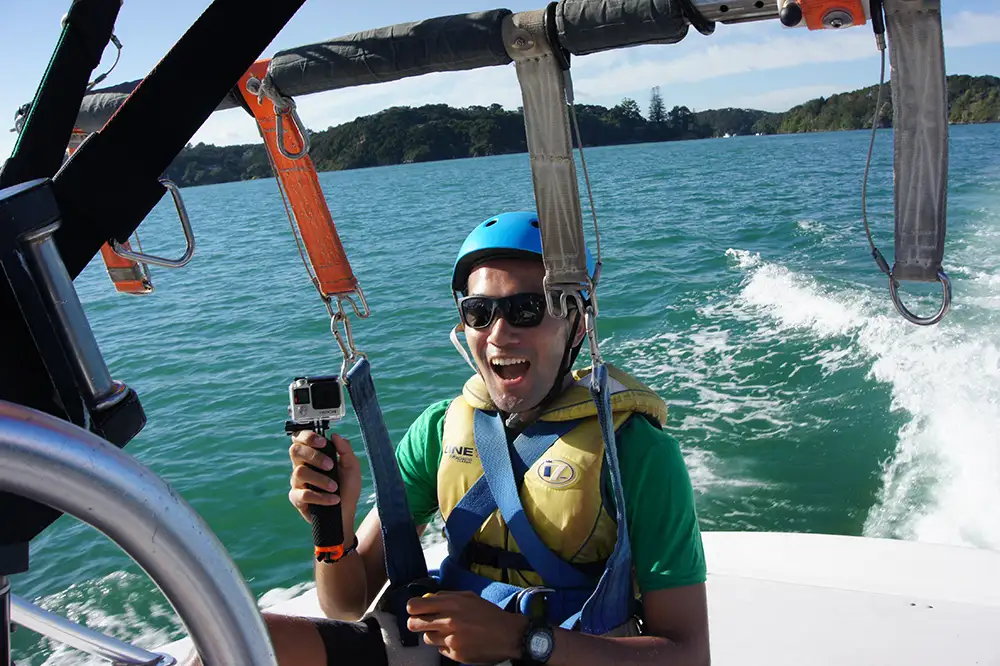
x: 971, y: 99
x: 405, y: 134
x: 657, y: 114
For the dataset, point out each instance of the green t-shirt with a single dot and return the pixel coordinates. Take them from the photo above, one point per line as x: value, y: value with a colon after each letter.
x: 659, y: 502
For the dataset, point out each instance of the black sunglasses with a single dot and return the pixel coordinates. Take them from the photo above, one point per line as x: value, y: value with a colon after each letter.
x: 521, y: 310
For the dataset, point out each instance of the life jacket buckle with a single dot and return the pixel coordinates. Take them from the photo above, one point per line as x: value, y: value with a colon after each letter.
x: 531, y: 601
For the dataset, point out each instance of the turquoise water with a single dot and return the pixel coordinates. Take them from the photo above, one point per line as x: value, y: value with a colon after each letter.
x: 737, y: 283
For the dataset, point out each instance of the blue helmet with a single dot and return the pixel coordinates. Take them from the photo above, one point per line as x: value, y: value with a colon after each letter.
x: 511, y: 235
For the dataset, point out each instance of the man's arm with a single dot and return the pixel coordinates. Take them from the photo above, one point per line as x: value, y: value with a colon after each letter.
x: 471, y: 630
x: 675, y: 634
x: 347, y: 588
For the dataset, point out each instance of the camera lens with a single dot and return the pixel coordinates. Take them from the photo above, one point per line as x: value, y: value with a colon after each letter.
x: 326, y: 394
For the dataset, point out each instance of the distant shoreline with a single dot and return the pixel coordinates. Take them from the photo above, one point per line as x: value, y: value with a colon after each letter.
x: 436, y: 132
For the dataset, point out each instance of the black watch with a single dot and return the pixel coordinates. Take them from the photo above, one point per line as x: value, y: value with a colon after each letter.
x: 539, y: 642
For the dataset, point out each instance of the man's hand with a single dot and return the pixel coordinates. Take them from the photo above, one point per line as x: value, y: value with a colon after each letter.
x: 305, y: 452
x: 466, y: 628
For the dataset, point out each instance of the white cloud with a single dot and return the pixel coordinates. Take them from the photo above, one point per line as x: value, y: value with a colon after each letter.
x: 972, y: 29
x: 785, y: 98
x: 716, y: 61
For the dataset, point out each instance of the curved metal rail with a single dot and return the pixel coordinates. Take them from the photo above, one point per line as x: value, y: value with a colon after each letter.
x: 69, y: 633
x: 72, y: 470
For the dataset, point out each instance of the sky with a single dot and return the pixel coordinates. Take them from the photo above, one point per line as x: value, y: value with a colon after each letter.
x: 755, y: 65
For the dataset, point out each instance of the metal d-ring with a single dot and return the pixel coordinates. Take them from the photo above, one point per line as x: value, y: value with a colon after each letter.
x: 175, y: 193
x: 914, y: 319
x: 558, y: 307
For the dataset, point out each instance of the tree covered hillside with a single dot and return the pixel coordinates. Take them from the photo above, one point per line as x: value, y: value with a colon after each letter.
x: 405, y: 134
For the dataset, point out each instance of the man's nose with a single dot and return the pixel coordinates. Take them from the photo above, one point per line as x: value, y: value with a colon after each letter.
x: 501, y: 332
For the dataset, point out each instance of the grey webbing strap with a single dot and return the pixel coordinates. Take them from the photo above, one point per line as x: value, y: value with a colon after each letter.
x: 127, y: 274
x: 920, y: 131
x: 541, y: 75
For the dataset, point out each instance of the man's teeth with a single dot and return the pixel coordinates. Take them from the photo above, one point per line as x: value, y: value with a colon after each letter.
x: 508, y: 361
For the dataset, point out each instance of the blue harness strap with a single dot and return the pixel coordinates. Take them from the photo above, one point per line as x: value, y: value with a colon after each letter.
x: 498, y: 469
x: 404, y: 558
x: 612, y: 602
x: 481, y: 499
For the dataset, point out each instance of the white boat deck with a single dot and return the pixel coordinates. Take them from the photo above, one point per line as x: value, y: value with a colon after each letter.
x: 778, y: 598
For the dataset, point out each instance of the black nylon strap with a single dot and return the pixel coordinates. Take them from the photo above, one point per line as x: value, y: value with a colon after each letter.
x: 111, y: 182
x: 42, y: 142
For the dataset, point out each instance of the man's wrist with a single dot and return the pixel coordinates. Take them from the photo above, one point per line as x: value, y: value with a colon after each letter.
x: 350, y: 546
x: 537, y: 643
x: 519, y: 629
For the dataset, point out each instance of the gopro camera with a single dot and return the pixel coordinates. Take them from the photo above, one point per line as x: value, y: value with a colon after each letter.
x: 316, y: 399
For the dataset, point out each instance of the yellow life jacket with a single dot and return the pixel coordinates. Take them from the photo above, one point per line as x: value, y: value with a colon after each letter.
x: 561, y: 492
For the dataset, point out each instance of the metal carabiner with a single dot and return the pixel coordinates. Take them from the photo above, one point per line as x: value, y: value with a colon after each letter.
x: 280, y: 129
x: 345, y: 340
x: 914, y: 319
x: 175, y: 193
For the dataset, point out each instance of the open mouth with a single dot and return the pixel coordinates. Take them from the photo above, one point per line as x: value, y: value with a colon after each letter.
x: 510, y: 369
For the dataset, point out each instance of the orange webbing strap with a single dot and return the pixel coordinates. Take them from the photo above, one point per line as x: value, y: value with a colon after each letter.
x: 127, y: 275
x: 300, y: 184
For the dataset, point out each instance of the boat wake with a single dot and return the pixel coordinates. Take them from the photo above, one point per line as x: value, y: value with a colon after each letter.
x: 942, y: 482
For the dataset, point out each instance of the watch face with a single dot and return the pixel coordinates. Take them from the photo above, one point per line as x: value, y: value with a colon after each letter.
x: 540, y: 644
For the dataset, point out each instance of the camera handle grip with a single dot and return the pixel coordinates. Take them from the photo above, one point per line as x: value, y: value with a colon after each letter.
x: 327, y: 521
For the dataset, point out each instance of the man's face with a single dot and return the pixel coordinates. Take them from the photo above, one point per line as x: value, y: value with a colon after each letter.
x: 518, y: 364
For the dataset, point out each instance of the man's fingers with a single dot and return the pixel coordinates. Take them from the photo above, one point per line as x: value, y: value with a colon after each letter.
x: 428, y: 623
x: 435, y: 623
x: 342, y: 445
x: 303, y: 476
x: 433, y: 638
x: 303, y: 496
x: 309, y: 438
x: 304, y: 454
x: 429, y: 605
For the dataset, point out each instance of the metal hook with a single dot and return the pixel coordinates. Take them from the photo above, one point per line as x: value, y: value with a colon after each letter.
x: 297, y: 122
x: 590, y: 322
x: 362, y: 313
x: 345, y: 340
x: 175, y: 193
x: 914, y: 319
x: 566, y: 292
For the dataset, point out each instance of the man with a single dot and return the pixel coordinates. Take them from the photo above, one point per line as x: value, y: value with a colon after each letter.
x: 523, y: 358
